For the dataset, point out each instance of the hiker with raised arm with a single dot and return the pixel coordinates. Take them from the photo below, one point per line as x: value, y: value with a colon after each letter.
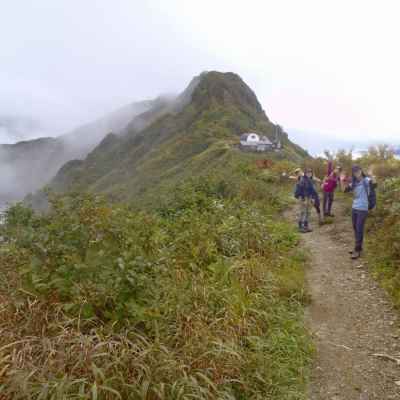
x: 364, y: 200
x: 329, y: 186
x: 315, y: 200
x: 307, y: 196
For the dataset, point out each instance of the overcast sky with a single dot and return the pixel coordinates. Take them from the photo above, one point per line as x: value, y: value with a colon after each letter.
x: 326, y: 69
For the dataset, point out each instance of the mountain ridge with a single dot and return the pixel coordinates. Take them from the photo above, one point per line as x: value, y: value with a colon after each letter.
x: 172, y: 146
x: 28, y: 165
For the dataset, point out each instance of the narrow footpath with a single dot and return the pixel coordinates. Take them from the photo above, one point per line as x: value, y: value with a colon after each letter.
x: 355, y: 329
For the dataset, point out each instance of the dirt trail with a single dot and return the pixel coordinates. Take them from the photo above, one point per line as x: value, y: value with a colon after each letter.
x: 351, y: 320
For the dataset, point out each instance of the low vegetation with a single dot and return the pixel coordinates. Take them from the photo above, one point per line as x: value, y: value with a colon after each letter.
x: 199, y: 296
x: 384, y: 237
x: 383, y: 229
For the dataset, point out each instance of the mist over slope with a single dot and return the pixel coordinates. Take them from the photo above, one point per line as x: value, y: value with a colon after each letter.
x: 199, y: 132
x: 27, y: 166
x: 15, y: 128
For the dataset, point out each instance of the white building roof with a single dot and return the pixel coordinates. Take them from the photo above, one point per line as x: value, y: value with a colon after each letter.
x: 249, y: 135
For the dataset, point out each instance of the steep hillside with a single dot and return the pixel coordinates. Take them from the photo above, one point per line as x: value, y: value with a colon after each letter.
x: 201, y: 298
x: 83, y: 139
x: 200, y: 132
x: 201, y: 291
x: 28, y: 165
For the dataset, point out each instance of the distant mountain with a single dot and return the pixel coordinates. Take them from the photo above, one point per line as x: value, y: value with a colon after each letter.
x: 84, y: 138
x: 196, y: 133
x: 27, y: 166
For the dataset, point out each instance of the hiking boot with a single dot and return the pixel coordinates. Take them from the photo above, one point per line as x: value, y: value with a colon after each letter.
x: 355, y: 255
x: 307, y: 229
x: 303, y: 229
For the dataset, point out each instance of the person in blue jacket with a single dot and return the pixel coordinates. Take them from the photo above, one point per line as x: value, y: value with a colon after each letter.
x: 363, y: 189
x: 307, y: 195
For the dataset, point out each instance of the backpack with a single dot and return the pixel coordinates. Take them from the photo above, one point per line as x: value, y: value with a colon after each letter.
x: 299, y: 190
x: 305, y: 188
x: 370, y: 187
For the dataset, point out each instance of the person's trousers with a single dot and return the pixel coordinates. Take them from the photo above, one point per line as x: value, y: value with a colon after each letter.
x: 359, y: 218
x: 317, y: 204
x: 328, y: 201
x: 304, y: 213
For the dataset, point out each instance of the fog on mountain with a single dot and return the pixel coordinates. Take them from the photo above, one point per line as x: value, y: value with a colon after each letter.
x: 28, y: 165
x: 213, y: 111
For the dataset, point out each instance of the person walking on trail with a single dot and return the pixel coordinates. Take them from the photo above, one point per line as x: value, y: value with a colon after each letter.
x: 306, y: 194
x: 364, y: 199
x: 315, y: 200
x: 329, y: 186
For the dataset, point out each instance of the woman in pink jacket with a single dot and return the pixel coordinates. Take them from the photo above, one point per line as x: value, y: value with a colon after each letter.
x: 329, y: 186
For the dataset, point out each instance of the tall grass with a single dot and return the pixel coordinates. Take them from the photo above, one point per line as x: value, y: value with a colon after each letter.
x: 201, y: 298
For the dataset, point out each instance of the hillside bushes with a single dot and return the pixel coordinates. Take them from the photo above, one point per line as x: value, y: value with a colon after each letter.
x: 199, y: 298
x: 385, y: 237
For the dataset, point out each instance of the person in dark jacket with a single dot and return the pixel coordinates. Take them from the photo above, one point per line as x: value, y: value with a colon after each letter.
x: 306, y: 194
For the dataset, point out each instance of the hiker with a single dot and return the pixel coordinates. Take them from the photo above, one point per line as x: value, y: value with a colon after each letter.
x: 364, y: 200
x: 315, y: 196
x: 307, y: 195
x: 315, y: 200
x: 331, y: 181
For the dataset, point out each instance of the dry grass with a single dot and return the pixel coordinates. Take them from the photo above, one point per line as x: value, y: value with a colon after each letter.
x: 46, y: 354
x: 226, y: 320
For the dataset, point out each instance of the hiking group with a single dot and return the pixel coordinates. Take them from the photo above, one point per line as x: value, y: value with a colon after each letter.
x: 364, y: 198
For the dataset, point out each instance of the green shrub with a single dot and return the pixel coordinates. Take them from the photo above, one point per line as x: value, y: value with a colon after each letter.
x: 199, y: 298
x: 384, y: 237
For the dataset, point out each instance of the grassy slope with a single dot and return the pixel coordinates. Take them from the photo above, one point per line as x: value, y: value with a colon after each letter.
x: 194, y: 290
x: 177, y: 145
x: 384, y: 237
x: 201, y: 297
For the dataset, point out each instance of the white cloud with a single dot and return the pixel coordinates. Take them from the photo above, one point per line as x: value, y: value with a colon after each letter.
x: 328, y: 67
